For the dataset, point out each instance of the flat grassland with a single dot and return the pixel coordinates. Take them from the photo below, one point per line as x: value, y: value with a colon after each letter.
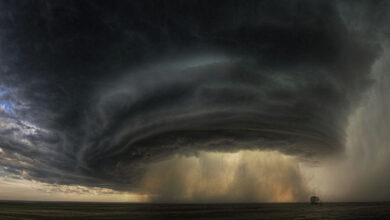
x: 73, y: 210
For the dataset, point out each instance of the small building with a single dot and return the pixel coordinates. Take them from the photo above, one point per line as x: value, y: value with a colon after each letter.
x: 315, y: 200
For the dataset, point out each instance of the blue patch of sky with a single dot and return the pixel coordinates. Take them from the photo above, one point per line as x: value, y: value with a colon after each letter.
x: 6, y: 105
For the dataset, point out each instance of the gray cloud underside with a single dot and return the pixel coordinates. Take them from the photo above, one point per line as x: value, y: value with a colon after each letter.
x: 111, y: 86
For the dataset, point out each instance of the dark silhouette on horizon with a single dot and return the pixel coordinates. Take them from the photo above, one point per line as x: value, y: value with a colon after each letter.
x: 315, y: 200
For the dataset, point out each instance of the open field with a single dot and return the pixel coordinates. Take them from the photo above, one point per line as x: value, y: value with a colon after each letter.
x: 68, y: 210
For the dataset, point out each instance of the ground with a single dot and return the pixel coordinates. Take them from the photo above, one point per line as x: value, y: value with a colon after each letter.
x: 66, y: 210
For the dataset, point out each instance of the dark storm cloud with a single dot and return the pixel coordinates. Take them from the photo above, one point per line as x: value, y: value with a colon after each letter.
x: 99, y: 87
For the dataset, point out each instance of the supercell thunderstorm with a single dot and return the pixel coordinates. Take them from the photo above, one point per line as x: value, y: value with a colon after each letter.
x: 91, y: 91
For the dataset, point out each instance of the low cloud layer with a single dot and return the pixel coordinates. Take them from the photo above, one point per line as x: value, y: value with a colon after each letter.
x: 92, y: 92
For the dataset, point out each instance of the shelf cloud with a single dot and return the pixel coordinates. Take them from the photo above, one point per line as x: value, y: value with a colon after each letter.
x: 92, y: 92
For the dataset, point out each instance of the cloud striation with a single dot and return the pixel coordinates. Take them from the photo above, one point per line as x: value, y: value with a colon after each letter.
x: 91, y: 91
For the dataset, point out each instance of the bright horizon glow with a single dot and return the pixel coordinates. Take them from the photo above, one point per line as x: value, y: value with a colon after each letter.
x: 27, y: 190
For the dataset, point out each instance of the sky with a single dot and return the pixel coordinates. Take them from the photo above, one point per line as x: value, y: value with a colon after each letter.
x: 194, y: 101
